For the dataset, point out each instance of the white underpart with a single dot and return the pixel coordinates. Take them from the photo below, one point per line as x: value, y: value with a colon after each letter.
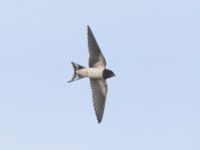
x: 95, y: 73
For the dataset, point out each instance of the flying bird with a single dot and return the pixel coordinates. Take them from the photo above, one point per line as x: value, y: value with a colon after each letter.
x: 97, y: 73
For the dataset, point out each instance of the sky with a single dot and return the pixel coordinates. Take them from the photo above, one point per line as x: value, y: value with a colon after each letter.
x: 153, y: 47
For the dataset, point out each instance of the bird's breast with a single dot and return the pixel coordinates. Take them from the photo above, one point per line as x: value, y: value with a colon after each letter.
x: 95, y: 73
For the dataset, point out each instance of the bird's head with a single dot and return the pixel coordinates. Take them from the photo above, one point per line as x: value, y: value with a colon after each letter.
x: 108, y: 74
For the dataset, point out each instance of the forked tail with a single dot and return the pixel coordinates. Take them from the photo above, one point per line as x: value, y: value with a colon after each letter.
x: 76, y: 76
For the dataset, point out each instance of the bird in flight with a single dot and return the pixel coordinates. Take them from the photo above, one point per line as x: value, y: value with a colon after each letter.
x: 97, y: 74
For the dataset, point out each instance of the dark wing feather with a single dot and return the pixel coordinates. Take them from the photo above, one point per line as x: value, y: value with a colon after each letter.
x: 96, y: 58
x: 99, y: 92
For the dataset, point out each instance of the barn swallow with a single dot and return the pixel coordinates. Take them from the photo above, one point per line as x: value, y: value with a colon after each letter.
x: 97, y: 73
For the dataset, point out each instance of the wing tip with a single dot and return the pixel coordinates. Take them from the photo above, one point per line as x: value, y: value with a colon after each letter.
x: 89, y: 30
x: 99, y: 117
x: 88, y: 26
x: 99, y: 120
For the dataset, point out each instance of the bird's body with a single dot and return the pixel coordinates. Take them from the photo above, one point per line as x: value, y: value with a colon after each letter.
x: 97, y: 73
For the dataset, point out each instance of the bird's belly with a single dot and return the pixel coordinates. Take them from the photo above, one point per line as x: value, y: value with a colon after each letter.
x: 91, y: 72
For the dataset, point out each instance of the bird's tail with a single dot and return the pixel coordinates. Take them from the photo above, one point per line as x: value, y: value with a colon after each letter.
x: 76, y: 76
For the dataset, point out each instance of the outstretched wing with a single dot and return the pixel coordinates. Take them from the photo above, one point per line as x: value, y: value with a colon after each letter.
x: 99, y: 92
x: 96, y: 58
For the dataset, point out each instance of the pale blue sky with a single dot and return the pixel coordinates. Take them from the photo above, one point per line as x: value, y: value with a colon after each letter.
x: 153, y: 47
